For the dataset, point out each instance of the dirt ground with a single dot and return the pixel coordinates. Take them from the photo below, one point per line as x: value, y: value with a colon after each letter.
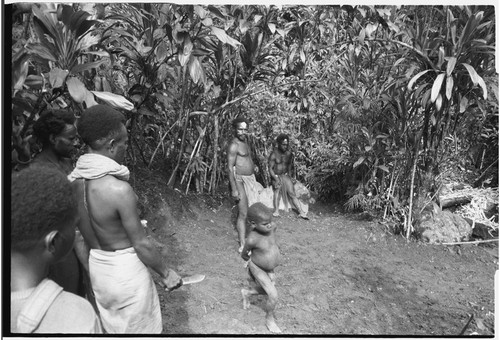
x: 341, y: 274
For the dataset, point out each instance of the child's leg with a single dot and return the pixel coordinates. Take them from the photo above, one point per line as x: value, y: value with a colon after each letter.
x: 265, y: 283
x: 253, y: 288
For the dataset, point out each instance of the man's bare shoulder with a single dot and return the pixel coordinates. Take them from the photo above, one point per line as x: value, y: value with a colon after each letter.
x: 275, y: 152
x: 113, y: 186
x: 233, y: 145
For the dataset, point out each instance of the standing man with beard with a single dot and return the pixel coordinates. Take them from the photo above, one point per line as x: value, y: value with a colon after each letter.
x: 241, y: 169
x: 281, y: 162
x: 55, y: 130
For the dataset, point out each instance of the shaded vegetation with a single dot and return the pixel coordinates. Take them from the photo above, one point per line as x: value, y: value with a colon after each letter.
x: 382, y: 103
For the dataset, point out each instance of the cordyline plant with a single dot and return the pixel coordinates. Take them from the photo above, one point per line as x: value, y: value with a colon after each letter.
x: 50, y: 69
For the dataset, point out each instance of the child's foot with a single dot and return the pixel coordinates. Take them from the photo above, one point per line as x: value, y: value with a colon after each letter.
x: 246, y: 301
x: 240, y: 249
x: 272, y: 326
x: 272, y: 277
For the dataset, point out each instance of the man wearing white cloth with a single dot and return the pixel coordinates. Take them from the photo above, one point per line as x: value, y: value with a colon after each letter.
x: 120, y: 252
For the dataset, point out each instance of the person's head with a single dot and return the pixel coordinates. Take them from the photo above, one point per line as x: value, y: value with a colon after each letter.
x: 283, y: 142
x: 56, y: 130
x: 102, y: 128
x: 43, y: 212
x: 240, y: 126
x: 260, y: 218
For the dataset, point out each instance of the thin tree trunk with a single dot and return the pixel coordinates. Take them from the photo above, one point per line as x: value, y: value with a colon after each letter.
x: 409, y: 226
x: 213, y: 176
x: 173, y: 175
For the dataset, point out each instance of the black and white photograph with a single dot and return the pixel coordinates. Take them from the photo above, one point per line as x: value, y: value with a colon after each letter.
x: 253, y: 170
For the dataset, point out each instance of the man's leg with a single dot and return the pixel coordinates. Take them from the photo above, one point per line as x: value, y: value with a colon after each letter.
x: 291, y: 193
x: 276, y: 200
x: 242, y: 215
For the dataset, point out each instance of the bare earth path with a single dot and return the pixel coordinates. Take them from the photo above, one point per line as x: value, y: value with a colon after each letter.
x: 340, y: 275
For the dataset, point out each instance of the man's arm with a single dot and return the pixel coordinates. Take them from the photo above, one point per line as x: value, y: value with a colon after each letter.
x: 146, y: 251
x: 247, y: 248
x: 232, y: 153
x: 272, y: 163
x: 290, y: 167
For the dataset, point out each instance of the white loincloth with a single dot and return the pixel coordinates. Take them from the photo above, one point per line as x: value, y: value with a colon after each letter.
x: 125, y: 292
x: 255, y: 191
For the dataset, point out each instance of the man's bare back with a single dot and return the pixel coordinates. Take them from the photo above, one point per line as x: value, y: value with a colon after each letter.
x: 111, y: 201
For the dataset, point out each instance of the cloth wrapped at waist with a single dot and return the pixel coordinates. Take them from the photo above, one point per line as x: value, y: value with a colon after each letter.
x: 125, y: 292
x: 300, y: 191
x: 255, y: 191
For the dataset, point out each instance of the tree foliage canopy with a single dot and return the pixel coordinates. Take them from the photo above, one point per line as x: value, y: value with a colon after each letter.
x: 382, y: 103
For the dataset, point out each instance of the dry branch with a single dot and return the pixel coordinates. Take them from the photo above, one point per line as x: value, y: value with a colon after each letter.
x: 467, y: 242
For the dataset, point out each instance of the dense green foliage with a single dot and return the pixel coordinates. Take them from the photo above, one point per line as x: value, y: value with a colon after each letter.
x: 382, y: 102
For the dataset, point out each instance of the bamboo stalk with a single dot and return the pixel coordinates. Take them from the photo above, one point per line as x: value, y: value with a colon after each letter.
x: 468, y: 242
x: 409, y: 226
x: 389, y: 191
x: 161, y: 143
x: 189, y: 182
x: 191, y: 158
x: 213, y: 176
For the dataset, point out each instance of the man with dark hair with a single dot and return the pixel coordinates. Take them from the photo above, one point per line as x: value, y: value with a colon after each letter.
x: 56, y: 131
x: 281, y: 163
x: 244, y: 187
x: 43, y: 216
x: 119, y: 249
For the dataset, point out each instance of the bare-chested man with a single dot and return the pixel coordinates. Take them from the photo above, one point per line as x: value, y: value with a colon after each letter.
x: 120, y: 252
x: 263, y: 256
x: 281, y: 163
x: 240, y: 170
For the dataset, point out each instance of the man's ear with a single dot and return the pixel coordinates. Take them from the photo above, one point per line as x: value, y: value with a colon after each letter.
x: 52, y: 139
x: 49, y: 241
x: 111, y: 144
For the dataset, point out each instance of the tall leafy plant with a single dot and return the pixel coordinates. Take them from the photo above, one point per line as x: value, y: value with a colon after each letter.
x: 49, y: 70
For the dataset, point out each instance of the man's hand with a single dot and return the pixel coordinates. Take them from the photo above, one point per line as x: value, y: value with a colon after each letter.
x: 277, y: 181
x: 235, y: 194
x: 171, y: 281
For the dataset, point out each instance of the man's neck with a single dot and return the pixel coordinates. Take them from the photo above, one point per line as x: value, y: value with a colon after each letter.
x: 26, y: 271
x: 101, y: 152
x: 50, y: 154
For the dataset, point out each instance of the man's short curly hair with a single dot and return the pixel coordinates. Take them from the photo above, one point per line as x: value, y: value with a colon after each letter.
x: 281, y: 137
x: 98, y: 123
x: 238, y: 120
x: 52, y: 122
x: 41, y: 200
x: 258, y: 213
